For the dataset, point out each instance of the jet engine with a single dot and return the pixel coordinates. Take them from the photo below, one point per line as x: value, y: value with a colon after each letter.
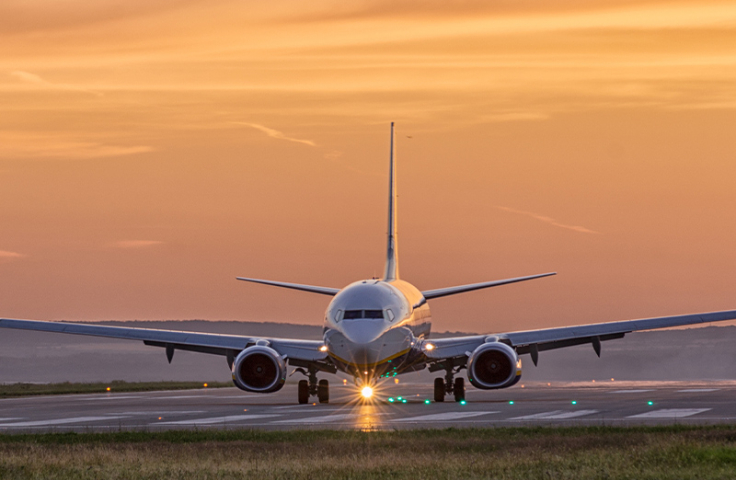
x: 259, y: 369
x: 494, y: 365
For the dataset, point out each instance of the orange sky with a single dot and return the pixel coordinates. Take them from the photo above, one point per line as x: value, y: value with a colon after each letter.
x: 150, y: 151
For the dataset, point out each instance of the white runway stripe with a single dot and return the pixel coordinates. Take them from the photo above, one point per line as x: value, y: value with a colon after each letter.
x: 161, y: 413
x: 556, y: 415
x: 329, y: 418
x: 698, y: 390
x: 632, y: 391
x: 215, y: 420
x: 670, y: 413
x: 59, y: 421
x: 439, y: 417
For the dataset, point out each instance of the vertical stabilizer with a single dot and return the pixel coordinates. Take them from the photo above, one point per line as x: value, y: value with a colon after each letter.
x: 392, y: 255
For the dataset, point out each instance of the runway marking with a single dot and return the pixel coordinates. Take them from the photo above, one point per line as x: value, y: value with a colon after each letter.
x: 330, y: 418
x: 556, y: 415
x: 214, y: 420
x: 632, y: 391
x: 438, y: 417
x: 670, y: 413
x: 161, y: 412
x: 698, y: 390
x: 59, y: 421
x: 120, y: 397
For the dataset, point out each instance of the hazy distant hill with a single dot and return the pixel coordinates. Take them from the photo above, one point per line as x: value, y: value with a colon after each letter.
x: 693, y: 354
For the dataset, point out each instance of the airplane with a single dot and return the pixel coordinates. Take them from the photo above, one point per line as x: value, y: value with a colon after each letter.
x: 376, y: 329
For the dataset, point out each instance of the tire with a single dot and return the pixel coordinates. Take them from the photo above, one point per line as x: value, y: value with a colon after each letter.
x: 303, y: 391
x: 323, y: 391
x: 459, y: 389
x: 439, y: 390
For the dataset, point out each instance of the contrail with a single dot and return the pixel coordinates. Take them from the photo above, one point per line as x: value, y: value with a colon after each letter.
x: 549, y: 220
x: 276, y: 134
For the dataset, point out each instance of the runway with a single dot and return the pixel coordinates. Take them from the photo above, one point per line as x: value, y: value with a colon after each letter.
x: 602, y: 403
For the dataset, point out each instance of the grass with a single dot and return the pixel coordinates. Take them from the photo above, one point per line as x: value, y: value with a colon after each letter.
x: 671, y: 452
x: 28, y: 389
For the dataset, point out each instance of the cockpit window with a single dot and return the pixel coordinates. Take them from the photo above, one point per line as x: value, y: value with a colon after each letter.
x: 353, y: 314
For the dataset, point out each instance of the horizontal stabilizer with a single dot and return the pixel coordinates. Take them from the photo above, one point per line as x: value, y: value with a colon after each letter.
x: 295, y: 286
x: 443, y: 292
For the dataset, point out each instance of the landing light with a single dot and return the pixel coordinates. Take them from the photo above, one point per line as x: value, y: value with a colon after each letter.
x: 323, y: 348
x: 367, y: 392
x: 429, y: 346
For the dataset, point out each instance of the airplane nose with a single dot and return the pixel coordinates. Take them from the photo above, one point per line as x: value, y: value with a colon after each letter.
x: 362, y: 331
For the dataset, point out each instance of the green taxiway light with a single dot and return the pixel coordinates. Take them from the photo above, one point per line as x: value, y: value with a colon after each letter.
x: 574, y: 402
x: 391, y: 399
x: 650, y: 403
x: 403, y: 401
x: 427, y: 402
x: 463, y: 402
x: 399, y: 398
x: 511, y: 402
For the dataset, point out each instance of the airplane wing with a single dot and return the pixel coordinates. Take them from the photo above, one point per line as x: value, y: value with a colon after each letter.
x: 534, y: 341
x: 227, y: 345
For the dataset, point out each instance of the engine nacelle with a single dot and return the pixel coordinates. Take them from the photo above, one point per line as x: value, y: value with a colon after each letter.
x: 259, y: 369
x: 494, y: 365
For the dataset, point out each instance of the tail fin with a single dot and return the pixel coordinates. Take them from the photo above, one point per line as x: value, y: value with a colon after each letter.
x: 392, y: 255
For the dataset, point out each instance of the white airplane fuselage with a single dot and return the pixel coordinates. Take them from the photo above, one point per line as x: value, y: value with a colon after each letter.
x: 373, y: 328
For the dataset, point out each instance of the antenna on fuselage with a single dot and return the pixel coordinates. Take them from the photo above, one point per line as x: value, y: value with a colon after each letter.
x: 392, y: 255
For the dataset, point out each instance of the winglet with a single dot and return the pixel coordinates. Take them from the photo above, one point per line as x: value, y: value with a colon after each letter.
x: 392, y: 255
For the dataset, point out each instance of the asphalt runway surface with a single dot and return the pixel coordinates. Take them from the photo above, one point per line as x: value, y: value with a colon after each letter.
x: 601, y: 403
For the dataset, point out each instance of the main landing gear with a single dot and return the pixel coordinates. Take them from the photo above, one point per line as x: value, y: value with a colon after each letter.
x: 311, y: 387
x: 449, y: 386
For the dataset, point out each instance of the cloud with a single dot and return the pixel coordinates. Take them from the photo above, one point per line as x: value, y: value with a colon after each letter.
x: 136, y: 243
x: 549, y: 220
x: 515, y: 117
x: 33, y: 79
x: 6, y: 255
x: 15, y: 145
x: 276, y: 134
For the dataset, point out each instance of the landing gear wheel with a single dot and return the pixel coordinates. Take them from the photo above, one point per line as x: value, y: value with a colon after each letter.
x: 439, y: 390
x: 323, y: 391
x: 303, y: 391
x: 459, y: 389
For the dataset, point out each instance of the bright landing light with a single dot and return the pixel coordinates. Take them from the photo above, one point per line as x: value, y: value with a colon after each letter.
x: 367, y: 392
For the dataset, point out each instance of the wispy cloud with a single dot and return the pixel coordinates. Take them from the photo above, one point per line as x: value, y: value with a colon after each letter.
x: 6, y: 255
x: 549, y: 220
x: 128, y: 244
x: 515, y: 117
x: 36, y: 80
x: 14, y: 145
x: 276, y: 134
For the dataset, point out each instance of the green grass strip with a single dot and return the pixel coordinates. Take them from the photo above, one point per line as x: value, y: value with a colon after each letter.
x: 667, y: 452
x: 30, y: 389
